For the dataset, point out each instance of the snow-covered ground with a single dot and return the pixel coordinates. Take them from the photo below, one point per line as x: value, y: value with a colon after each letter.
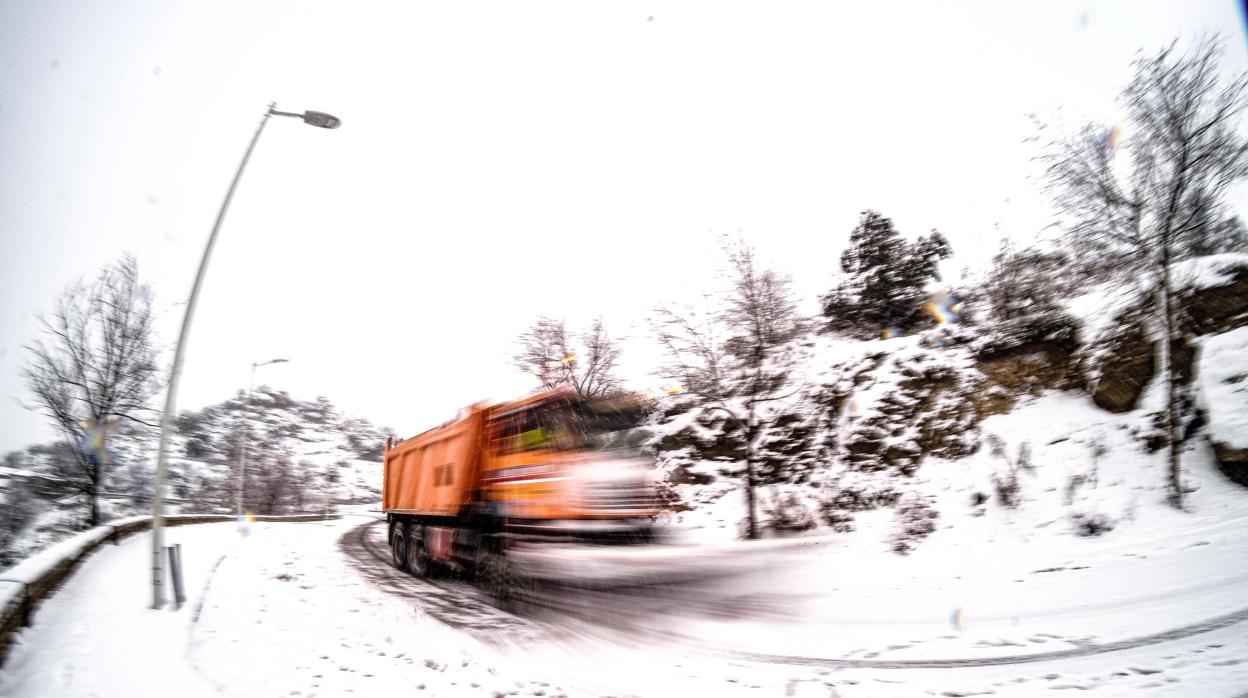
x: 287, y: 611
x: 275, y: 613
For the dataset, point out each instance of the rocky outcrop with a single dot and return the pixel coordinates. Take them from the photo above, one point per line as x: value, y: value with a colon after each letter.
x: 1128, y: 359
x: 1024, y: 357
x: 927, y: 412
x: 1232, y: 461
x: 1129, y: 362
x: 1220, y: 308
x: 1027, y: 369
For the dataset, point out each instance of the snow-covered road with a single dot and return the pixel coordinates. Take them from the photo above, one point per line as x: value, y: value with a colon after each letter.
x: 284, y: 613
x: 309, y: 609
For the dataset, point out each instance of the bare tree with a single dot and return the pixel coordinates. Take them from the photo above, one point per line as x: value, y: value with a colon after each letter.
x: 738, y: 355
x: 1164, y: 184
x: 549, y: 353
x: 273, y: 486
x: 94, y: 367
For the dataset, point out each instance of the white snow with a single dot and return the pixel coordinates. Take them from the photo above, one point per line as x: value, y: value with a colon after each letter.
x: 1223, y: 375
x: 1208, y: 271
x: 1099, y: 307
x: 283, y: 612
x: 279, y: 611
x: 996, y: 581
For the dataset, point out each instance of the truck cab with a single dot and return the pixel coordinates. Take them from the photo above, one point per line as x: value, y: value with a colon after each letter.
x: 558, y: 464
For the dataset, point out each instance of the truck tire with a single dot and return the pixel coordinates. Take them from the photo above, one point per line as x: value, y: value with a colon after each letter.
x: 398, y: 546
x: 497, y: 576
x: 493, y: 576
x: 418, y: 562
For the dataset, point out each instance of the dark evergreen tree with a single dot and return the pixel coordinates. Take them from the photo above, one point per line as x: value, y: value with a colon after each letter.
x: 886, y: 277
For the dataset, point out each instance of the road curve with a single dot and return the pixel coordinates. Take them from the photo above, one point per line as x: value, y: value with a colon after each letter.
x: 462, y: 606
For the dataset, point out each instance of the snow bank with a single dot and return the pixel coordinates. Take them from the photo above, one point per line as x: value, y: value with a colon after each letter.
x: 278, y: 612
x: 10, y: 594
x: 26, y: 584
x: 1206, y: 272
x: 1224, y: 380
x: 31, y: 570
x: 1099, y: 307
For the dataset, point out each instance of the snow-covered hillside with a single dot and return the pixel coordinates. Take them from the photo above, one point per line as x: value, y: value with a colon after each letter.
x: 1045, y: 429
x: 302, y: 455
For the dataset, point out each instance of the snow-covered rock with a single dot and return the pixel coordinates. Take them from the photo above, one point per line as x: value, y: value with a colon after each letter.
x: 1224, y: 380
x: 1067, y: 401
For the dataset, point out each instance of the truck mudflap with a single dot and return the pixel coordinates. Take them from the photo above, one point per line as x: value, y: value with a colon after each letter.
x: 439, y: 541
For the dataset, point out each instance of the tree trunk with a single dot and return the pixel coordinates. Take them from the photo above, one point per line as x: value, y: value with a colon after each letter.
x: 751, y: 427
x: 93, y: 496
x: 1172, y: 391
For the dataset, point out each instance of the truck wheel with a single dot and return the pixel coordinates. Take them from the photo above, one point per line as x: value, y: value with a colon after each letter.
x: 498, y: 577
x: 493, y: 576
x: 398, y: 546
x: 418, y: 562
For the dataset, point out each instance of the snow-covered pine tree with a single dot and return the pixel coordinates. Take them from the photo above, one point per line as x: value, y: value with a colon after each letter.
x: 885, y: 280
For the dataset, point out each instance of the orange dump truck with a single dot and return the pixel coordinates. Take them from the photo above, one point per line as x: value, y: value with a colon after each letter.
x: 549, y: 466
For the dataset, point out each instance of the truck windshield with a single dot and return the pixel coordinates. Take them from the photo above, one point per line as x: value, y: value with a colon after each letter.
x: 551, y: 426
x: 574, y: 425
x: 611, y: 424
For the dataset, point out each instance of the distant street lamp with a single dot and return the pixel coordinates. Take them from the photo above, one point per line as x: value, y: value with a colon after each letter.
x: 242, y: 439
x: 313, y: 118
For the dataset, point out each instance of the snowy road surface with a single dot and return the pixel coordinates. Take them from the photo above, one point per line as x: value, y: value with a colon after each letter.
x: 303, y: 610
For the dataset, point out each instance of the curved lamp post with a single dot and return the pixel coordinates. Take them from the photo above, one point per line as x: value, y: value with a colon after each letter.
x: 314, y: 118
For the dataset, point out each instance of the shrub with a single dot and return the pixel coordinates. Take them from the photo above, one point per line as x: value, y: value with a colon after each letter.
x: 1006, y: 485
x: 859, y: 498
x: 788, y: 513
x: 1049, y: 327
x: 1088, y: 525
x: 668, y: 498
x: 836, y: 519
x: 1007, y: 488
x: 916, y: 519
x: 1073, y: 485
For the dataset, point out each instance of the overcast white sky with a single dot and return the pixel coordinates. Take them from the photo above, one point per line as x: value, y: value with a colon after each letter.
x: 502, y: 160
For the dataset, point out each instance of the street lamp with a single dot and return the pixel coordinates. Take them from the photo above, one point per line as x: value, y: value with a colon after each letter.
x: 319, y: 119
x: 313, y: 118
x: 242, y: 439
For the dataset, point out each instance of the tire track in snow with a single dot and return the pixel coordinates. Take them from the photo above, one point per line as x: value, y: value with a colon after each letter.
x: 1116, y: 646
x: 553, y: 610
x: 454, y: 605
